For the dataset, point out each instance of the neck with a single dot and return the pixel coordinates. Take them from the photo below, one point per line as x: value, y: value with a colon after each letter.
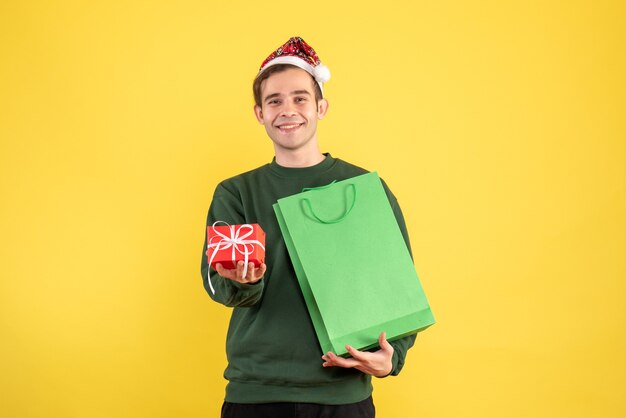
x: 298, y: 158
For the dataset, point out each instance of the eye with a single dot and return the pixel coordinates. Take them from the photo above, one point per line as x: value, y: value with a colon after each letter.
x: 300, y: 99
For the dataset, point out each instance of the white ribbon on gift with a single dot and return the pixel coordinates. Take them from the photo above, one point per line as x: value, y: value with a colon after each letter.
x: 237, y: 241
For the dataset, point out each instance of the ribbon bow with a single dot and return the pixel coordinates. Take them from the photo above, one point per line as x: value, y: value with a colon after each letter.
x: 237, y: 241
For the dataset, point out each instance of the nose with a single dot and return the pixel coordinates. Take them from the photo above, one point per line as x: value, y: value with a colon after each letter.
x: 288, y: 109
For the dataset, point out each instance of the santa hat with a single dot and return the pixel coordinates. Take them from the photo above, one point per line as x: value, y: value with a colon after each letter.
x: 297, y: 52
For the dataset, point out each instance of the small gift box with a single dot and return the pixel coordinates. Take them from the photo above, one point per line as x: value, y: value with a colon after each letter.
x: 228, y: 244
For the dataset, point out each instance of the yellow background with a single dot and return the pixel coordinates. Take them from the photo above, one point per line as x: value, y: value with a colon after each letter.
x: 500, y: 127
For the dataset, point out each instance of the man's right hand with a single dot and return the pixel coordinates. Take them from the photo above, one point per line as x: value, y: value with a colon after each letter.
x: 253, y: 274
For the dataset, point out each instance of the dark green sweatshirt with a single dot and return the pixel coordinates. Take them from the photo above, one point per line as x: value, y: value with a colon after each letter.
x: 273, y: 352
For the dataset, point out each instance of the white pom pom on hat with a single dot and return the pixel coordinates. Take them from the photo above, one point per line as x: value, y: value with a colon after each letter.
x: 321, y: 73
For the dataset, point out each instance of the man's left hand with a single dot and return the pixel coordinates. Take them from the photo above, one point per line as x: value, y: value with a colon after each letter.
x: 377, y: 363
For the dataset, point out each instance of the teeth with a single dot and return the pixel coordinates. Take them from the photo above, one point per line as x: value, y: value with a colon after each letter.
x: 289, y: 126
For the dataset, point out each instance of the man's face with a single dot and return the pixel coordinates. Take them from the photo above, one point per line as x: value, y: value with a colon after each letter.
x: 289, y: 111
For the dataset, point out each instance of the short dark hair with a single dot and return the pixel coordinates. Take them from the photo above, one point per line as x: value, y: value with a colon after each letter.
x: 256, y: 86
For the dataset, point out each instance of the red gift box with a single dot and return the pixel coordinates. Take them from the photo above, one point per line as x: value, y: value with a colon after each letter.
x: 228, y: 244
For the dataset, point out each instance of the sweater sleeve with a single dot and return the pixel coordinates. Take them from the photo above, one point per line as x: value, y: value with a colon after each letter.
x: 226, y: 206
x: 402, y: 345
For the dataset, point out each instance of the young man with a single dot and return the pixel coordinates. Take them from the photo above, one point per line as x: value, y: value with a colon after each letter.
x: 275, y: 365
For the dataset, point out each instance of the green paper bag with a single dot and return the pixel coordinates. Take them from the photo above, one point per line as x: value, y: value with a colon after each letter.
x: 352, y: 263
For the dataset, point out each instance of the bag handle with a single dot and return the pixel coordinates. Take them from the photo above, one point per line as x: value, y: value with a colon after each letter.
x: 306, y: 189
x: 326, y: 221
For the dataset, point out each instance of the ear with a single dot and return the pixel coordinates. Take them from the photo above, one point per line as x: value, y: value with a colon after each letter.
x: 322, y: 108
x: 258, y: 113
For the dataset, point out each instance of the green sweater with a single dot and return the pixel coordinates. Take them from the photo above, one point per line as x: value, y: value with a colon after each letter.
x: 272, y: 349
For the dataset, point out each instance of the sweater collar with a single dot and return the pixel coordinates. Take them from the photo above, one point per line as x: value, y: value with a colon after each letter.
x: 323, y: 165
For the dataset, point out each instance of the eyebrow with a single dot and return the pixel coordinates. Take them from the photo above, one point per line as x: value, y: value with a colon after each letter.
x: 293, y: 93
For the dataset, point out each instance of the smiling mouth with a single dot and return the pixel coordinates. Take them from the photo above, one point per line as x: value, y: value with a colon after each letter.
x: 289, y: 128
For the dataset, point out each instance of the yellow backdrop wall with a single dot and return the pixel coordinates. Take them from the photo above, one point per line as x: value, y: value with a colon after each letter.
x: 498, y: 125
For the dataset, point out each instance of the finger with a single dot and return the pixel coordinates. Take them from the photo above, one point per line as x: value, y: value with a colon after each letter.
x: 227, y: 273
x: 341, y: 362
x: 251, y: 268
x: 222, y: 271
x: 331, y: 358
x: 249, y: 273
x: 326, y: 362
x: 334, y: 360
x: 383, y: 343
x: 359, y: 355
x: 239, y: 271
x: 261, y: 270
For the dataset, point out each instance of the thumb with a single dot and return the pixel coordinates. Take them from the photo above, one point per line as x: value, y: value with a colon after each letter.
x: 383, y: 343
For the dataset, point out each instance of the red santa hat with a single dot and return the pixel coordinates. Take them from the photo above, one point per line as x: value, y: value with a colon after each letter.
x: 297, y: 52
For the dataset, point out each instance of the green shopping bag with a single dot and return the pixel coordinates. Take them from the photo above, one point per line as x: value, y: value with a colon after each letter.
x: 352, y: 264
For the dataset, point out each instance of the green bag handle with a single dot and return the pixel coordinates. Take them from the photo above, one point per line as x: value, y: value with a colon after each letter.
x: 324, y: 221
